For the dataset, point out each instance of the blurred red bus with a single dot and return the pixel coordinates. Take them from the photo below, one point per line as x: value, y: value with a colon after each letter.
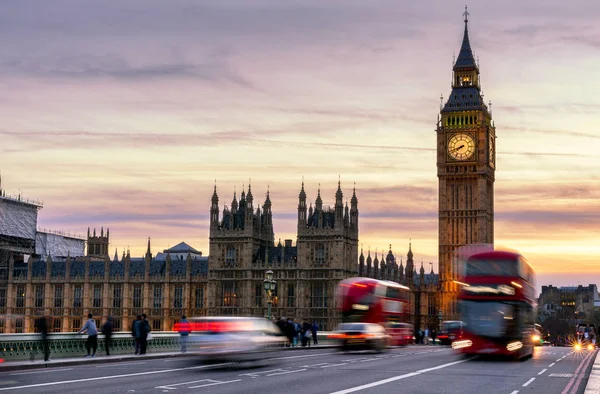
x: 369, y: 300
x: 497, y: 305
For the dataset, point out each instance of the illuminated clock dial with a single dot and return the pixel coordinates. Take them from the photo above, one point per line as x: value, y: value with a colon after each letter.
x: 461, y: 146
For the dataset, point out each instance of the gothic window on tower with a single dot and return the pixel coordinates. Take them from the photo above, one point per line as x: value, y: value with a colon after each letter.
x: 97, y: 301
x: 137, y: 296
x: 58, y: 296
x: 230, y: 255
x: 56, y: 324
x: 199, y: 297
x: 229, y: 296
x: 291, y: 295
x: 77, y: 296
x: 158, y: 297
x: 117, y: 296
x: 39, y: 296
x: 320, y: 254
x: 178, y: 299
x: 2, y: 300
x: 318, y: 297
x: 258, y: 295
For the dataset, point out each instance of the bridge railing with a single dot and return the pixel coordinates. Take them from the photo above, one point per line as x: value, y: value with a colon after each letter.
x: 14, y: 347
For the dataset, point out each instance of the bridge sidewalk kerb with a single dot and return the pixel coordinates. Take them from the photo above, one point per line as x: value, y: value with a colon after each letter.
x: 593, y: 384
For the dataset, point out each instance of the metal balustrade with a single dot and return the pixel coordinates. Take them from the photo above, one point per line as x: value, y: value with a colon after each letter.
x: 15, y: 347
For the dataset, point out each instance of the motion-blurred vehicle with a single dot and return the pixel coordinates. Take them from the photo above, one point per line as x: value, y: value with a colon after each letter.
x: 361, y: 336
x: 366, y: 300
x: 497, y: 305
x: 226, y: 339
x: 401, y: 334
x: 451, y: 330
x: 585, y: 337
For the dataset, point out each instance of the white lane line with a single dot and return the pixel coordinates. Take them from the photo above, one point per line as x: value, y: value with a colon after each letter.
x: 214, y: 384
x: 528, y: 382
x: 303, y: 356
x: 333, y: 365
x: 551, y: 365
x: 542, y: 371
x: 109, y: 377
x: 399, y: 377
x: 399, y: 355
x: 45, y: 371
x: 515, y: 392
x: 117, y: 365
x: 260, y: 373
x: 284, y: 372
x: 172, y: 386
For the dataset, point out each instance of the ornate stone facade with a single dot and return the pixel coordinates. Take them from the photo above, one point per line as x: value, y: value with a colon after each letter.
x: 466, y: 157
x: 242, y: 248
x: 164, y: 287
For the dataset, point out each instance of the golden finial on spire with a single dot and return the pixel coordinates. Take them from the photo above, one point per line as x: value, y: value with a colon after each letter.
x: 466, y: 14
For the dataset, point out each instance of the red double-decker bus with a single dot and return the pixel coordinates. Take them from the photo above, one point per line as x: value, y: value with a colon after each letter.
x: 369, y: 300
x: 497, y: 305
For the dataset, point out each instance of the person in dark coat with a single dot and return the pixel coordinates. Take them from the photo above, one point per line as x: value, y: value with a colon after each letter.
x: 314, y: 328
x: 144, y: 331
x: 107, y: 330
x: 42, y: 324
x: 305, y: 333
x: 136, y: 333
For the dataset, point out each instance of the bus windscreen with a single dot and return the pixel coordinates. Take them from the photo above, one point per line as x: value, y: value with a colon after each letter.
x: 484, y: 267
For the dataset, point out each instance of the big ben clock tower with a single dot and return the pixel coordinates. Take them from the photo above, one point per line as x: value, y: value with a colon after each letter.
x: 466, y: 140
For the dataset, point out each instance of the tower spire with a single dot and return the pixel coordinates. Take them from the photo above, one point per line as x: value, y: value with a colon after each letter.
x: 465, y: 56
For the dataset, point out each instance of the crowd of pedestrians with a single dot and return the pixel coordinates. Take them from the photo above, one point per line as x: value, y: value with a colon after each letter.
x: 298, y: 333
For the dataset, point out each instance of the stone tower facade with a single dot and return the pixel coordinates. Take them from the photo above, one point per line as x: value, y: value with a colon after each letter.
x: 97, y: 245
x: 327, y: 253
x: 240, y: 243
x: 242, y: 248
x: 466, y: 139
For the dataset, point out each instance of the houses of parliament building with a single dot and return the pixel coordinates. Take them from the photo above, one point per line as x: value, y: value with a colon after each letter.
x: 242, y: 246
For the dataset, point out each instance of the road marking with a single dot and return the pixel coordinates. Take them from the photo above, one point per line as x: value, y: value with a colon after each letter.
x: 542, y: 371
x: 551, y: 365
x: 560, y: 375
x: 120, y: 364
x: 399, y: 355
x: 515, y: 392
x: 254, y: 374
x: 283, y: 372
x: 171, y: 386
x: 303, y: 356
x: 44, y: 371
x: 333, y: 365
x: 528, y: 382
x: 399, y: 377
x: 214, y: 384
x: 109, y: 377
x: 577, y: 380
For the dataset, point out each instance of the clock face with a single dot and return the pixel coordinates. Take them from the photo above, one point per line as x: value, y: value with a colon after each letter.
x: 491, y: 149
x: 461, y: 146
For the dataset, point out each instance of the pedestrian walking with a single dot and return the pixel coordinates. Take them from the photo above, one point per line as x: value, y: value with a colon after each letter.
x: 313, y: 330
x: 184, y: 330
x: 92, y: 340
x: 136, y: 333
x: 42, y: 325
x: 144, y: 331
x: 107, y: 330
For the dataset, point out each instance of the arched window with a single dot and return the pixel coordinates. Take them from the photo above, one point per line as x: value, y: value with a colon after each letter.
x: 230, y: 255
x: 320, y: 254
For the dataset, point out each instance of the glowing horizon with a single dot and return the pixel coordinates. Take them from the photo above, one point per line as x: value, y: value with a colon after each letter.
x: 123, y: 115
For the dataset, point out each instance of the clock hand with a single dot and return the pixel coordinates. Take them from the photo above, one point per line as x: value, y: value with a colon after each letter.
x: 455, y: 149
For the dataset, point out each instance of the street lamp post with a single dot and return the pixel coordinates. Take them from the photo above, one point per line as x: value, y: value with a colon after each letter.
x: 270, y: 286
x: 440, y: 318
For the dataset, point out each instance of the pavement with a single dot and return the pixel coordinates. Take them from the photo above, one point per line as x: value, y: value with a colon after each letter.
x: 414, y: 369
x: 101, y: 358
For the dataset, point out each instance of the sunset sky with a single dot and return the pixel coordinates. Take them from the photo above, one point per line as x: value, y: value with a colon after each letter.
x: 123, y: 113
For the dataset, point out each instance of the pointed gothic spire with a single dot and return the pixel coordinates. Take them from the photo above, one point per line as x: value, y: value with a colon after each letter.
x: 319, y: 201
x: 215, y: 197
x: 338, y: 194
x: 302, y: 194
x: 148, y: 252
x: 465, y: 56
x: 116, y: 258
